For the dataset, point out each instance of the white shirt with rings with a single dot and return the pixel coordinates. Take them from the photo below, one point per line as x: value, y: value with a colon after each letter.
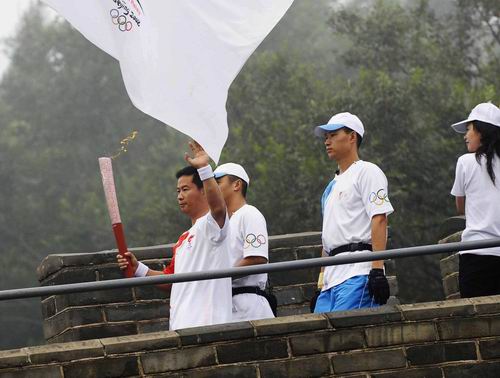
x: 482, y: 200
x: 248, y: 238
x: 357, y: 195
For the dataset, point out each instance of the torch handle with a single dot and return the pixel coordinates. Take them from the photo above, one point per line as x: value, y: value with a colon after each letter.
x: 122, y: 248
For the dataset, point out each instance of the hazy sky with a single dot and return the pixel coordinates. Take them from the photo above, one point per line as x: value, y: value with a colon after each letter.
x: 11, y: 14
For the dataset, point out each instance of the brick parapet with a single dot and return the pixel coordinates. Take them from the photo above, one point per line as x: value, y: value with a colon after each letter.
x: 451, y: 338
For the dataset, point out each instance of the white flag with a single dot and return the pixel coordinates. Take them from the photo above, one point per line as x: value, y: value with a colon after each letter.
x: 178, y: 57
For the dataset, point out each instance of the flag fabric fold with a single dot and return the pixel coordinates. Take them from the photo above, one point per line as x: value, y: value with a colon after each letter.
x: 178, y: 58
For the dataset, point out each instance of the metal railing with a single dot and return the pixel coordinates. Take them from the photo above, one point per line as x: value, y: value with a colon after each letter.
x: 33, y: 292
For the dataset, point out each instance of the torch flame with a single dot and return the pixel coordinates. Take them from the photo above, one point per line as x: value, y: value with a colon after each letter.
x: 124, y: 143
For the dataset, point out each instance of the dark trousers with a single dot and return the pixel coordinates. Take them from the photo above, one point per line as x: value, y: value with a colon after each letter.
x: 479, y: 275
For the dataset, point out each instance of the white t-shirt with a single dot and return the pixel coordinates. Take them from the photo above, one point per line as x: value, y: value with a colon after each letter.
x: 248, y: 238
x: 349, y: 203
x: 199, y: 303
x: 482, y: 200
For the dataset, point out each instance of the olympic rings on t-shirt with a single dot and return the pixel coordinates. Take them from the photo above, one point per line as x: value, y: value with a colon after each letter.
x: 120, y: 20
x: 254, y: 241
x: 379, y: 197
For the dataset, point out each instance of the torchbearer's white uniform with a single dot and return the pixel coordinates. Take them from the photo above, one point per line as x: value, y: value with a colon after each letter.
x: 199, y: 303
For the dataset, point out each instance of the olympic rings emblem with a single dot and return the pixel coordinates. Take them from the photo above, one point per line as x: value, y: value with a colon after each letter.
x: 120, y: 20
x: 254, y: 241
x: 379, y: 197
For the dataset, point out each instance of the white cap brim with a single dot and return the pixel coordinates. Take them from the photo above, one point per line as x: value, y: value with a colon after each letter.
x: 461, y: 127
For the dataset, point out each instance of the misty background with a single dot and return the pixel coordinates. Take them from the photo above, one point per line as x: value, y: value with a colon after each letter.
x: 408, y: 69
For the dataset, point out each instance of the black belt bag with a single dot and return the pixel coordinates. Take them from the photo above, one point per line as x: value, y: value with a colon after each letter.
x: 273, y: 302
x: 350, y: 248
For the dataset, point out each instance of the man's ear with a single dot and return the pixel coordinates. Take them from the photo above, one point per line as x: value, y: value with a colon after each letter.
x: 237, y: 185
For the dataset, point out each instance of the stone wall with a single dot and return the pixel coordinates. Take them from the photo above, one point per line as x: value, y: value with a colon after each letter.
x: 99, y: 314
x: 451, y: 232
x: 456, y: 338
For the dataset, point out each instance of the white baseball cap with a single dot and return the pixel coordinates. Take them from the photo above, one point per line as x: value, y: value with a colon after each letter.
x: 232, y: 169
x: 339, y: 121
x: 485, y: 112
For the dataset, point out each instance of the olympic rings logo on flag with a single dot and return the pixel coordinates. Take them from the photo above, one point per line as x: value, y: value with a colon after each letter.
x: 120, y: 20
x: 254, y: 241
x: 379, y: 198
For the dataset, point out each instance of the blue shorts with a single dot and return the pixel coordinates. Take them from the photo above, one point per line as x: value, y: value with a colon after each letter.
x: 349, y: 295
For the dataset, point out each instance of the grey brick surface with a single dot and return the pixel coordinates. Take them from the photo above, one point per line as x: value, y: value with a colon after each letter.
x: 231, y: 371
x: 482, y: 370
x: 393, y: 334
x: 71, y: 317
x: 469, y: 328
x: 490, y: 349
x: 411, y: 373
x: 297, y: 368
x: 486, y: 305
x: 136, y: 343
x: 219, y: 332
x: 103, y: 367
x: 45, y: 354
x: 291, y: 324
x: 441, y: 352
x: 366, y: 316
x: 441, y: 309
x: 450, y: 284
x: 366, y: 361
x: 53, y: 371
x: 186, y: 358
x: 136, y: 311
x: 330, y: 341
x: 252, y: 350
x: 13, y: 358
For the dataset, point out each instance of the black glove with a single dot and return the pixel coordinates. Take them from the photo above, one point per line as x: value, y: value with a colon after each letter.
x: 378, y: 286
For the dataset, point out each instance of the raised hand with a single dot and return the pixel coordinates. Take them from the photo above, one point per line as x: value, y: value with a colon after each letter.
x: 200, y: 158
x: 123, y: 263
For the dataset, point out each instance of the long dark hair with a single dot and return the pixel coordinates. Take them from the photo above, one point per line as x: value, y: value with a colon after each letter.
x: 490, y: 145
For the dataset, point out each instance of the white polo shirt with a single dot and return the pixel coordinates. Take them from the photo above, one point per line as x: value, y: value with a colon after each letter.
x: 249, y: 238
x: 482, y: 200
x: 204, y: 247
x: 349, y: 203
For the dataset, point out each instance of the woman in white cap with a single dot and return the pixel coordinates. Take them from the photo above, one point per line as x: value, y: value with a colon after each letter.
x: 477, y: 192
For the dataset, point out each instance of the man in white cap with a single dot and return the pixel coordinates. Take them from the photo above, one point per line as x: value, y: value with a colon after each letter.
x: 355, y: 206
x: 248, y: 243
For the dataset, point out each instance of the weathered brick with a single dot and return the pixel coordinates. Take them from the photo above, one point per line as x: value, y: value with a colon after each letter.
x: 469, y: 328
x: 219, y: 332
x: 441, y: 309
x: 231, y: 371
x: 298, y: 277
x: 487, y: 305
x: 330, y: 341
x: 104, y: 330
x: 103, y: 367
x: 188, y: 358
x: 365, y: 316
x: 393, y: 285
x: 45, y: 354
x: 149, y: 326
x: 282, y: 254
x: 48, y: 307
x: 150, y: 292
x: 297, y: 368
x: 449, y: 265
x: 403, y: 333
x: 71, y: 275
x: 93, y: 298
x: 308, y: 252
x: 481, y: 370
x: 293, y: 310
x: 136, y: 311
x: 13, y: 358
x: 363, y: 361
x: 65, y: 337
x: 289, y: 295
x: 38, y: 372
x: 71, y: 317
x: 136, y: 343
x: 441, y: 352
x: 290, y: 324
x: 411, y: 373
x: 252, y: 350
x: 490, y: 348
x: 450, y: 284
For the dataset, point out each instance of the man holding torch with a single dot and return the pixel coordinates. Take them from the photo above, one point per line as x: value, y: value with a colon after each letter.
x: 205, y: 246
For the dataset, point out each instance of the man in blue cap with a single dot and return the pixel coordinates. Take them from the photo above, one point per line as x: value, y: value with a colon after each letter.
x: 355, y: 206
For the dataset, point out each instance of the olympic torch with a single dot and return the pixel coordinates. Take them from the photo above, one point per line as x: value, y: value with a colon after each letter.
x: 114, y: 212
